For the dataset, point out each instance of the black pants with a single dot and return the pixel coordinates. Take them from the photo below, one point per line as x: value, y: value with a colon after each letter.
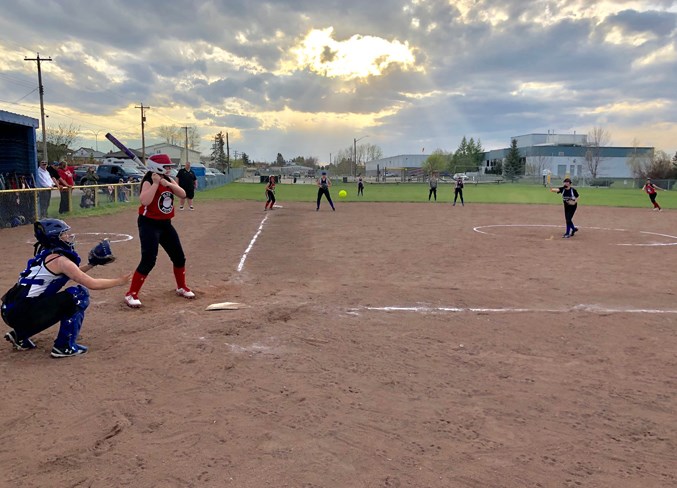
x: 360, y: 189
x: 324, y: 191
x: 154, y: 233
x: 458, y: 192
x: 433, y: 191
x: 65, y: 204
x: 31, y: 316
x: 569, y: 211
x: 271, y: 198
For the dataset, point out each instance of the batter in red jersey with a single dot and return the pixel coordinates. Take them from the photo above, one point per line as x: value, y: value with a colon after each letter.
x: 156, y: 229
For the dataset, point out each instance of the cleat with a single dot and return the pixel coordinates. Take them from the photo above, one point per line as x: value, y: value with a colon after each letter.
x: 574, y: 231
x: 66, y: 352
x: 19, y: 344
x: 565, y: 236
x: 181, y: 207
x: 191, y: 207
x: 132, y: 301
x: 185, y: 293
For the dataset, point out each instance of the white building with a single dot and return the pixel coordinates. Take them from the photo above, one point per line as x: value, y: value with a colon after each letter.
x: 176, y: 153
x: 566, y: 155
x: 395, y: 164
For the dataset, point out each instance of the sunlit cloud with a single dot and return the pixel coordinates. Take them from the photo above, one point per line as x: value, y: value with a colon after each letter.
x: 357, y: 57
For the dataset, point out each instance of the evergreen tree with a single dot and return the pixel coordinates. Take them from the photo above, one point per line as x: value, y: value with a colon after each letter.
x: 512, y: 168
x: 218, y: 155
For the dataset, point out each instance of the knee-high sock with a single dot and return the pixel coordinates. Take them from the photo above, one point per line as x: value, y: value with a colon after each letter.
x: 137, y: 283
x: 180, y: 275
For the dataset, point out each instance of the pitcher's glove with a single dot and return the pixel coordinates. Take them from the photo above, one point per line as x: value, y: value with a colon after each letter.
x: 101, y: 254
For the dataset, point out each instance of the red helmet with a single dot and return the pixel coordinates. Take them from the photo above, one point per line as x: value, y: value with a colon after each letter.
x: 160, y: 164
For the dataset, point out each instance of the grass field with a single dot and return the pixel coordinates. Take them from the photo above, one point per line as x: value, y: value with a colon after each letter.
x: 418, y: 192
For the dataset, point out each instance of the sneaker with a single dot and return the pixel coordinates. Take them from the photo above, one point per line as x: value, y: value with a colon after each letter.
x: 66, y: 352
x: 191, y: 207
x: 185, y: 293
x: 19, y: 344
x: 574, y: 231
x: 566, y: 236
x: 132, y: 301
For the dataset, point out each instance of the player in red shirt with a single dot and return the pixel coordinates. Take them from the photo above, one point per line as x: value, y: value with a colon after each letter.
x: 155, y: 227
x: 650, y: 189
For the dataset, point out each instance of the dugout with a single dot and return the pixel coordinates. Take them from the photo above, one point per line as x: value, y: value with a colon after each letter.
x: 18, y: 164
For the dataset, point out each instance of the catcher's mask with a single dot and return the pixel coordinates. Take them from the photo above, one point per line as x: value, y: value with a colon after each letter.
x: 50, y: 233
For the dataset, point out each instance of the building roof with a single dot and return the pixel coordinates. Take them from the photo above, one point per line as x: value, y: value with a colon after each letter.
x: 12, y: 118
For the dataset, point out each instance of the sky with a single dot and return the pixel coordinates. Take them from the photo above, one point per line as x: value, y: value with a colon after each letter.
x: 309, y: 77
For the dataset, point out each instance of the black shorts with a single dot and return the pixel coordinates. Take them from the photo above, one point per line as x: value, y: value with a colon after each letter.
x: 30, y: 314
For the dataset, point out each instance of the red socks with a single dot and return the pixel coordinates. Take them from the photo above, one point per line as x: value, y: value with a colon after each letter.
x: 137, y: 283
x: 180, y: 275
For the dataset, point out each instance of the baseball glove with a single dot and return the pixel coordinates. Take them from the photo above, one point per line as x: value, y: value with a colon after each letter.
x: 101, y: 254
x: 571, y: 202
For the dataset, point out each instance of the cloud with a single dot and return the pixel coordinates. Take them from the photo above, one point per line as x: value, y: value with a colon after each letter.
x: 305, y: 77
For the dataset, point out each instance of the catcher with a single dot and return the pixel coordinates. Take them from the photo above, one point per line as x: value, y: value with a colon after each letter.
x: 570, y: 199
x: 35, y: 302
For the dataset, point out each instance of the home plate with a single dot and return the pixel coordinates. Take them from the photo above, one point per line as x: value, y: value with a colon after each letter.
x: 226, y: 306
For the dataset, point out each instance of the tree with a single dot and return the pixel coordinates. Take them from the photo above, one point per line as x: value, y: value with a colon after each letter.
x: 175, y: 135
x: 436, y: 162
x: 655, y: 166
x: 218, y: 155
x: 60, y: 139
x: 598, y: 137
x: 279, y: 160
x: 513, y: 166
x: 245, y: 159
x: 468, y: 156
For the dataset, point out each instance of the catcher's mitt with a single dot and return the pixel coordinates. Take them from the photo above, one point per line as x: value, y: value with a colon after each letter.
x: 101, y: 254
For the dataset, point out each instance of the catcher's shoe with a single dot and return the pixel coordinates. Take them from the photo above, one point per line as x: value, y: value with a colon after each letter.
x: 185, y: 293
x: 132, y: 301
x: 66, y: 352
x: 19, y: 344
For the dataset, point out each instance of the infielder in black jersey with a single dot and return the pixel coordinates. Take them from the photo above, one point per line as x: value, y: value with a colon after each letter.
x: 570, y: 199
x: 323, y: 185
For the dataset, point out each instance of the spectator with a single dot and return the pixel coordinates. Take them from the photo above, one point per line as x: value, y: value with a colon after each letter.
x: 44, y: 179
x: 188, y: 182
x: 90, y: 178
x: 66, y: 188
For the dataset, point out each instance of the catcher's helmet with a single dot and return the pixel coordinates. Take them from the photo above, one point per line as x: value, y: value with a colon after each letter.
x: 48, y: 233
x: 159, y: 163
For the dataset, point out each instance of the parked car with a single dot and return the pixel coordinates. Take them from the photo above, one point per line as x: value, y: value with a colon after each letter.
x: 463, y: 176
x: 113, y: 173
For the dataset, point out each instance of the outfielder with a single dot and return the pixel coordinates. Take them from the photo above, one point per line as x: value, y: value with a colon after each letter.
x: 35, y: 302
x: 570, y: 199
x: 156, y: 229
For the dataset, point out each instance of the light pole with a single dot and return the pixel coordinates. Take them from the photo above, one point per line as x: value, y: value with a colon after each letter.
x: 96, y: 138
x: 355, y: 154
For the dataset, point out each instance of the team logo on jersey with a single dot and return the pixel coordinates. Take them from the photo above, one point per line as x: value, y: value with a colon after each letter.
x: 166, y: 202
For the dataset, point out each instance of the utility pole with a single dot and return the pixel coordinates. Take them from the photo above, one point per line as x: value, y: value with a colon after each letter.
x: 186, y: 129
x: 143, y: 132
x: 42, y: 105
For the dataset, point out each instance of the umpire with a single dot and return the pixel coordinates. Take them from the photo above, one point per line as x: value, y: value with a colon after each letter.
x: 188, y: 182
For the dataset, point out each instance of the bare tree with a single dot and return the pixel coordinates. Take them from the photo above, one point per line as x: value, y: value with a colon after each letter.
x: 60, y: 140
x: 170, y: 133
x: 598, y: 137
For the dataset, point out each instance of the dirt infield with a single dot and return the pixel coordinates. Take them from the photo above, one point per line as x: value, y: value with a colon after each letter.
x: 384, y: 345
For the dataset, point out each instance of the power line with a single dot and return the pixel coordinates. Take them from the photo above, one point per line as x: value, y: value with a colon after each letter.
x: 42, y: 105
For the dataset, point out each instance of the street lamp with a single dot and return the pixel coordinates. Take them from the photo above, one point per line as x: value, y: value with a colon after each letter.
x: 355, y: 141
